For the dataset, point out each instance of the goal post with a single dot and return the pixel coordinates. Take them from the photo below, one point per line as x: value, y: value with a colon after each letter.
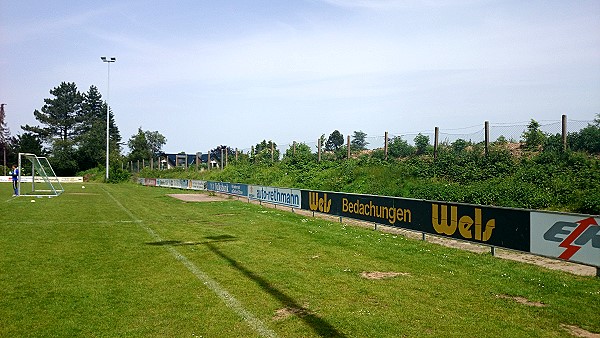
x: 36, y: 177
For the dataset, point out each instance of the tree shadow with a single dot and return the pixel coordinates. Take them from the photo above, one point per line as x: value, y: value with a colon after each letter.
x: 210, y: 239
x: 317, y: 324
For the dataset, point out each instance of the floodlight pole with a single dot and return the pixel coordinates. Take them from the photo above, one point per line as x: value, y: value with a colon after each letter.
x: 108, y: 61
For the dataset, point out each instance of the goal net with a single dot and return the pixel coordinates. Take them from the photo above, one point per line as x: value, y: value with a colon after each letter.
x: 36, y: 177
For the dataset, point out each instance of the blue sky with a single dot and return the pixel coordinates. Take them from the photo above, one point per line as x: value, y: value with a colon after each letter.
x: 205, y: 73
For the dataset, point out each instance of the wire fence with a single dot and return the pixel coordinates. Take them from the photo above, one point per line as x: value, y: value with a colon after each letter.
x: 511, y: 132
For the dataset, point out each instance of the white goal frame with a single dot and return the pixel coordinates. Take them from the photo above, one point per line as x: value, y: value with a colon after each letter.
x: 44, y: 182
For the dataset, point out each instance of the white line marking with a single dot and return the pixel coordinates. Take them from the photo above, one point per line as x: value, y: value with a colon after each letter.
x: 213, y: 285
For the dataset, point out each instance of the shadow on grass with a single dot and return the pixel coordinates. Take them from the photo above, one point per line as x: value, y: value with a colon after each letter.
x: 319, y: 325
x: 210, y: 239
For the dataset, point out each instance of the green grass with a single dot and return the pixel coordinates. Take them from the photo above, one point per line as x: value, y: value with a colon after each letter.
x: 102, y: 261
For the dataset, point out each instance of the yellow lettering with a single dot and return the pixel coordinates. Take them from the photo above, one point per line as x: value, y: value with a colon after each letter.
x: 478, y: 224
x: 313, y: 200
x: 444, y: 225
x: 464, y: 226
x: 317, y: 203
x: 489, y: 227
x: 392, y: 215
x: 407, y: 216
x: 440, y: 223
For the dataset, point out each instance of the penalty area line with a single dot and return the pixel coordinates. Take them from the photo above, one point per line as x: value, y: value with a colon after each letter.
x: 213, y: 285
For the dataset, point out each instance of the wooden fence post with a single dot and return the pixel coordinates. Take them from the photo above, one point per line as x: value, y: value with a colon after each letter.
x: 486, y: 127
x: 319, y: 146
x: 564, y: 132
x: 348, y: 147
x: 385, y: 147
x: 436, y: 142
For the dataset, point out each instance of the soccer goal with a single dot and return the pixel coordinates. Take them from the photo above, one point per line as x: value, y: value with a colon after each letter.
x: 36, y: 177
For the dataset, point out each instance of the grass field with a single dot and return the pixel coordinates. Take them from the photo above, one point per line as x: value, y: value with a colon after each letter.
x: 129, y: 261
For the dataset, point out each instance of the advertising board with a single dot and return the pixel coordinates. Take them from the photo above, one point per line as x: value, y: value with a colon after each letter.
x: 198, y: 185
x: 574, y: 238
x: 281, y: 196
x: 485, y: 225
x: 222, y: 187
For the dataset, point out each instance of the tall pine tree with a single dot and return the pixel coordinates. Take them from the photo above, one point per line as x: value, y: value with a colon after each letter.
x: 91, y: 132
x: 59, y: 115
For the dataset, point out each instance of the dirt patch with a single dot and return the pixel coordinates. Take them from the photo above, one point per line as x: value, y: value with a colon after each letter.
x: 196, y: 197
x: 286, y: 312
x: 522, y: 300
x: 579, y: 332
x: 382, y: 275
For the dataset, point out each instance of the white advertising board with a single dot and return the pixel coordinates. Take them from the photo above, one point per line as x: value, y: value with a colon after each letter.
x: 573, y: 238
x: 282, y: 196
x: 38, y: 179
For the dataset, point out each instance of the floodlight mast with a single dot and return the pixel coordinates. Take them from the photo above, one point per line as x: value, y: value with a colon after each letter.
x: 108, y: 61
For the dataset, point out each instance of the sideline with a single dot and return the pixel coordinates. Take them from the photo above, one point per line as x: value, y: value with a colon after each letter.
x: 213, y: 285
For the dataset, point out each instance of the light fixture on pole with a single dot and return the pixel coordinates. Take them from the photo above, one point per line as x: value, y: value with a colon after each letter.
x: 109, y: 61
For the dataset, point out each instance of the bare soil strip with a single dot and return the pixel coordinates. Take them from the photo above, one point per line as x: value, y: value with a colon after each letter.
x: 382, y: 275
x: 522, y: 300
x: 579, y: 332
x: 196, y: 197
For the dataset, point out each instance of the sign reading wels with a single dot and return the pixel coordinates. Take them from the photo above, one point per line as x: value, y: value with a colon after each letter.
x: 573, y: 238
x: 501, y: 227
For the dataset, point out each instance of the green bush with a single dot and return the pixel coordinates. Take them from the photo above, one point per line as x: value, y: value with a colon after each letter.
x: 558, y: 180
x: 118, y: 175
